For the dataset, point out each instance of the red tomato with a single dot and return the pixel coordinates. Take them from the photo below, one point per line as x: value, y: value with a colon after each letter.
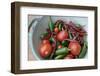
x: 45, y: 41
x: 45, y: 50
x: 56, y: 30
x: 62, y: 35
x: 75, y: 47
x: 69, y: 56
x: 60, y: 46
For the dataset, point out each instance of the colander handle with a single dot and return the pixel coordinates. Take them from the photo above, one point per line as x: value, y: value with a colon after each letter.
x: 32, y: 26
x: 34, y: 22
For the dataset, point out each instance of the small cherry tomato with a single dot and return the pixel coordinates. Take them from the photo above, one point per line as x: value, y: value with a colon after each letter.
x: 45, y: 41
x: 62, y: 35
x: 56, y: 30
x: 60, y: 46
x: 69, y: 56
x: 45, y: 50
x: 75, y: 48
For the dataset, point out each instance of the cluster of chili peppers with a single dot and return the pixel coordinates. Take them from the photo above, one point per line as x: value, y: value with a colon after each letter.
x: 63, y: 41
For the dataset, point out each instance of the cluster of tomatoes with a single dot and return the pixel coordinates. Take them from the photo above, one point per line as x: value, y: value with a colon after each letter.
x: 48, y: 47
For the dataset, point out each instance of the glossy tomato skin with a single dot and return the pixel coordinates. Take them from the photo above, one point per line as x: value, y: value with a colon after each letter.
x: 45, y: 50
x: 75, y: 48
x: 62, y: 35
x: 56, y: 30
x: 45, y: 41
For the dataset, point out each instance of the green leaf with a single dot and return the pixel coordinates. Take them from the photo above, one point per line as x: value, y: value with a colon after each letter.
x: 51, y: 39
x: 57, y: 44
x: 64, y: 43
x: 70, y: 35
x: 84, y: 50
x: 59, y: 57
x: 62, y: 51
x: 51, y: 24
x: 43, y: 35
x: 60, y: 27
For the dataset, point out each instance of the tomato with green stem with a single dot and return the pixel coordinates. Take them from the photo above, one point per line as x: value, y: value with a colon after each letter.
x: 62, y: 35
x: 75, y: 47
